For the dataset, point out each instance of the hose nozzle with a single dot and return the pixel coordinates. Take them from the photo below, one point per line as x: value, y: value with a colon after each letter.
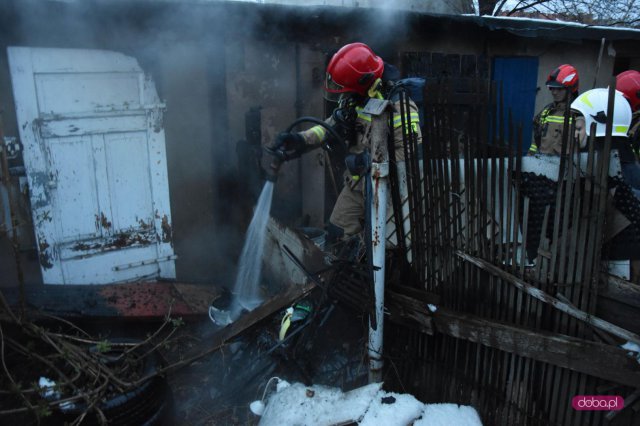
x: 274, y: 169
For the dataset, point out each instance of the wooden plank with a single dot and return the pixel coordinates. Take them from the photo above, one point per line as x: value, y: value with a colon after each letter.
x: 545, y: 297
x: 595, y: 359
x: 407, y: 311
x: 621, y: 290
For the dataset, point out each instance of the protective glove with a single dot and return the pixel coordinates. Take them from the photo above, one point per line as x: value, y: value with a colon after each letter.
x: 287, y: 146
x: 358, y: 164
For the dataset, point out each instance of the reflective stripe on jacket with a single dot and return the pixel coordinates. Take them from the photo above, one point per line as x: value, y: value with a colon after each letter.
x: 316, y: 135
x: 547, y: 129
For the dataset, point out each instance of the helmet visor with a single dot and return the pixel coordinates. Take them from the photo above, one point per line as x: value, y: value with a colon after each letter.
x: 332, y: 90
x: 333, y: 97
x: 332, y: 86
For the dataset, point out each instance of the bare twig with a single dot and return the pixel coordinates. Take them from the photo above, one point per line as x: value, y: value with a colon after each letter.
x: 9, y: 376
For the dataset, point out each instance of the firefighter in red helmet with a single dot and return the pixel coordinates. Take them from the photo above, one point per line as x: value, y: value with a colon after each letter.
x: 628, y: 82
x: 353, y: 69
x: 563, y: 84
x: 354, y: 75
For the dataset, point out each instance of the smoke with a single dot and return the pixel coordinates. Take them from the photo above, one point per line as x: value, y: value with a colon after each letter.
x: 212, y: 62
x: 184, y: 48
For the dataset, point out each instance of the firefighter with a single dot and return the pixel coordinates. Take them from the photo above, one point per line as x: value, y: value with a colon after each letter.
x: 592, y: 106
x: 548, y: 124
x: 628, y: 83
x: 353, y: 76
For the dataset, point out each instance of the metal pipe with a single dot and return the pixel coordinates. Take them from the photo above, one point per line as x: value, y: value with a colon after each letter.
x: 379, y: 179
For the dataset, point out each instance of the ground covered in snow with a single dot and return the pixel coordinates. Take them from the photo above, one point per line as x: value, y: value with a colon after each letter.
x: 297, y: 404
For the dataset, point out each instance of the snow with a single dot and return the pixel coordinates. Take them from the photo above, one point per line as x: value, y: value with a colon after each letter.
x: 297, y: 404
x: 392, y: 409
x: 48, y: 388
x: 317, y: 405
x: 550, y: 22
x: 448, y: 414
x: 634, y: 349
x: 257, y: 408
x: 432, y: 308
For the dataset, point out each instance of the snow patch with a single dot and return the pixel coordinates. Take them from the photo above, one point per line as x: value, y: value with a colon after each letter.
x: 632, y: 347
x: 257, y: 408
x: 317, y: 405
x: 448, y: 414
x: 369, y: 406
x: 392, y: 409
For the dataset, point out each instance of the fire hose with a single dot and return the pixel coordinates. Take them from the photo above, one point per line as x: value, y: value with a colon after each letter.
x: 279, y: 155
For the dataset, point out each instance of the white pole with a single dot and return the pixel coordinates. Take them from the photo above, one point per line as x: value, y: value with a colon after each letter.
x: 380, y: 189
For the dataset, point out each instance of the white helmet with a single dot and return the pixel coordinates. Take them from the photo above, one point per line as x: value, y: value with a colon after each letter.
x: 593, y: 106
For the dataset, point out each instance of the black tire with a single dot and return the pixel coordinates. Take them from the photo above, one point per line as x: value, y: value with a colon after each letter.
x: 147, y: 405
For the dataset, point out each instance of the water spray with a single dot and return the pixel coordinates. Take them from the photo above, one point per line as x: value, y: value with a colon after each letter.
x: 246, y: 294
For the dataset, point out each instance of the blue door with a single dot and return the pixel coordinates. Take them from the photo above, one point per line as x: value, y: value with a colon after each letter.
x: 518, y: 76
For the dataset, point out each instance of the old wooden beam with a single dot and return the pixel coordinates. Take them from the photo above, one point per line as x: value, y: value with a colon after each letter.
x: 546, y: 298
x: 592, y: 358
x: 622, y: 289
x: 619, y: 303
x: 562, y: 351
x: 408, y: 311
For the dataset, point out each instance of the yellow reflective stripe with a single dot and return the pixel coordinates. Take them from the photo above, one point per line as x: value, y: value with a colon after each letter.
x: 555, y: 119
x: 364, y: 116
x: 621, y: 129
x: 533, y: 147
x: 414, y: 117
x: 319, y: 131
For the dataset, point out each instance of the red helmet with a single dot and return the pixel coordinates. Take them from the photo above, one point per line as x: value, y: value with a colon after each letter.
x: 354, y: 68
x: 628, y: 83
x: 564, y: 76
